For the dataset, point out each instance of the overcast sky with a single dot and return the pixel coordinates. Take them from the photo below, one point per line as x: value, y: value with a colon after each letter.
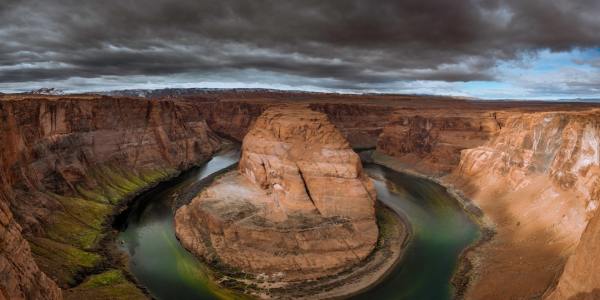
x: 479, y: 48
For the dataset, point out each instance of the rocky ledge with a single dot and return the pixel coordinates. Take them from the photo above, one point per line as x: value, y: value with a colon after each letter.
x: 299, y: 207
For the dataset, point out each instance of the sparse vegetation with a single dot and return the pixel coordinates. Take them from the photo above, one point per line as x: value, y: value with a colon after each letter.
x: 111, y: 284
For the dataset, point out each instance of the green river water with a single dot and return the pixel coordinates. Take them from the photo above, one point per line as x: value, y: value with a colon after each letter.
x: 441, y: 230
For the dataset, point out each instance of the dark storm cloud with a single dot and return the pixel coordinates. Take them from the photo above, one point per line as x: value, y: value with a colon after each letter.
x: 348, y: 41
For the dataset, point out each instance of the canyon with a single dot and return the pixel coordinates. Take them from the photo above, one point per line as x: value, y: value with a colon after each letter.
x: 68, y: 164
x: 528, y: 171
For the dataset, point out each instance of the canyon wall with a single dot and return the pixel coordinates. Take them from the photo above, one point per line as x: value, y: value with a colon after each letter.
x: 67, y: 164
x: 360, y: 124
x: 535, y: 176
x: 539, y: 182
x: 431, y: 140
x: 580, y: 279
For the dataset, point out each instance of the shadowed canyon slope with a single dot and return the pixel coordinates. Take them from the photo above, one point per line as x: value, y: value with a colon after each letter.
x: 69, y: 163
x: 299, y: 207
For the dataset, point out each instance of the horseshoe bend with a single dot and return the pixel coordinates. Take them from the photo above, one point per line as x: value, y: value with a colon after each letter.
x: 274, y: 195
x: 300, y: 206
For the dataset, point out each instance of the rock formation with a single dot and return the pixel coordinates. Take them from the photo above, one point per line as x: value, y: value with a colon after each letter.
x: 359, y: 123
x: 580, y: 279
x: 534, y: 174
x: 431, y: 140
x: 299, y: 207
x: 539, y: 181
x: 66, y: 163
x: 20, y: 277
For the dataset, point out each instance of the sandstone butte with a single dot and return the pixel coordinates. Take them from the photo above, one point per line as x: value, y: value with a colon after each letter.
x: 299, y: 207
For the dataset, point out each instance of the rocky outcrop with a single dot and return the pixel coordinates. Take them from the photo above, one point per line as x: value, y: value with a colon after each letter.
x: 232, y: 119
x: 20, y: 277
x: 66, y: 163
x: 580, y: 279
x: 538, y: 181
x: 299, y: 207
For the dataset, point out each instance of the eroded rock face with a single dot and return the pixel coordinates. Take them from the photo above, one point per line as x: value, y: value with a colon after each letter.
x: 20, y: 277
x: 539, y: 182
x: 299, y: 208
x: 430, y: 141
x: 535, y: 175
x: 360, y: 124
x: 580, y: 279
x: 66, y: 163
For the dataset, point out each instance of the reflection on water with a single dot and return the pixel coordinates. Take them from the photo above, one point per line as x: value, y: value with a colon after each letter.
x: 157, y: 259
x: 441, y: 230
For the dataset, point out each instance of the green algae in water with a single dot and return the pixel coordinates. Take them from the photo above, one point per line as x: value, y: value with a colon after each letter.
x: 441, y: 230
x: 157, y: 259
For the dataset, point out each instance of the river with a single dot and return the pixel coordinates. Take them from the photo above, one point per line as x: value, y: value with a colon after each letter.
x: 441, y: 230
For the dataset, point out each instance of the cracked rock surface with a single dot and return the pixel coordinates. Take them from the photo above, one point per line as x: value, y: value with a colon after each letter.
x: 299, y: 207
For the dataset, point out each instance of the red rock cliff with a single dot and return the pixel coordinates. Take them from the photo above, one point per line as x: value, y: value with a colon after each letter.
x: 66, y: 162
x: 534, y: 171
x: 538, y: 180
x: 580, y: 279
x: 431, y: 140
x: 360, y: 124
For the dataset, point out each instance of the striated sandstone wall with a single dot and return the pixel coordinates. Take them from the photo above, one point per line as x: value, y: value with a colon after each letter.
x: 360, y: 124
x: 431, y: 140
x: 66, y: 164
x: 299, y: 208
x: 20, y: 277
x: 538, y: 181
x: 580, y: 279
x: 535, y: 175
x: 299, y: 154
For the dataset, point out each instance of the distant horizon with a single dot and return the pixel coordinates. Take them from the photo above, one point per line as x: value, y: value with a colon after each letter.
x: 485, y: 49
x: 58, y: 92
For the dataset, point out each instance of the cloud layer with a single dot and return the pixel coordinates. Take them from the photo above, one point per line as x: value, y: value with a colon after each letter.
x: 336, y: 44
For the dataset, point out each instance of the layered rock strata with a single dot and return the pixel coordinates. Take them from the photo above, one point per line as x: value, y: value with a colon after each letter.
x: 360, y: 124
x: 539, y: 182
x: 299, y: 207
x: 580, y: 279
x: 66, y: 164
x: 535, y: 176
x: 431, y: 141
